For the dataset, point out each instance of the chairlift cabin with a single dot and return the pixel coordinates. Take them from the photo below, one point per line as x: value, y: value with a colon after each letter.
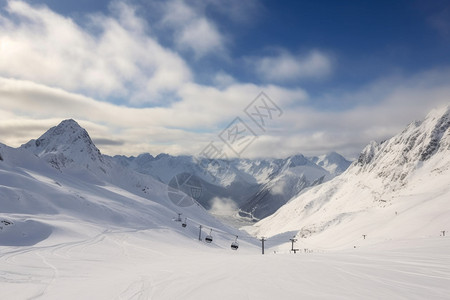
x: 184, y: 224
x: 235, y: 244
x: 209, y: 237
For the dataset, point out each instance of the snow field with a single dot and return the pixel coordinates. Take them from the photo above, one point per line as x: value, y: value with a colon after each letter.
x: 161, y: 264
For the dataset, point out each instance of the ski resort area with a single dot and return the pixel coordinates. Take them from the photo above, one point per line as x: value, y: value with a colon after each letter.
x: 224, y: 149
x: 78, y: 224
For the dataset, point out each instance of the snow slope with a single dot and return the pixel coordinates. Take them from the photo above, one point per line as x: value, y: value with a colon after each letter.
x: 399, y: 188
x: 62, y: 178
x: 147, y: 265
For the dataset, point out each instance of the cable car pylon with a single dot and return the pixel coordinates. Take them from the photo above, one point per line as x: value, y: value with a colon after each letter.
x: 263, y: 239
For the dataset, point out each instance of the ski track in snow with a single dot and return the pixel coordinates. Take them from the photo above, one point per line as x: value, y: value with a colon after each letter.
x: 141, y: 265
x: 55, y: 275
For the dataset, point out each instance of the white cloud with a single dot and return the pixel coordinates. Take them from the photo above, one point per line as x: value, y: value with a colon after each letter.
x: 186, y: 127
x: 119, y: 60
x: 51, y: 69
x: 183, y: 127
x: 223, y: 206
x: 222, y: 80
x: 399, y: 102
x: 192, y: 30
x: 288, y: 67
x: 200, y: 36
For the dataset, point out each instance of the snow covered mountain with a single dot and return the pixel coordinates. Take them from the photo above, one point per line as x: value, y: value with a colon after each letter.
x: 291, y: 176
x: 333, y: 162
x: 67, y: 146
x: 242, y: 189
x: 396, y: 188
x: 216, y: 185
x: 65, y: 164
x: 70, y: 230
x: 60, y: 184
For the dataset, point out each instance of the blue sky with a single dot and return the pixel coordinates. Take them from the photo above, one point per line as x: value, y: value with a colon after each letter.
x: 367, y: 38
x: 168, y: 76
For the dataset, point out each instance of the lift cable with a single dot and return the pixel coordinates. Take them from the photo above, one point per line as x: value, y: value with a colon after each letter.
x: 209, y: 237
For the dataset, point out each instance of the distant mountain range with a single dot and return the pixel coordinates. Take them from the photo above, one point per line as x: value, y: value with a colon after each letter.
x: 248, y: 189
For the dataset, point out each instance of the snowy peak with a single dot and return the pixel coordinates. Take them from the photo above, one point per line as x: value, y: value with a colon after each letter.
x: 298, y: 160
x: 333, y: 162
x: 395, y: 159
x: 64, y: 145
x: 367, y: 154
x: 418, y: 142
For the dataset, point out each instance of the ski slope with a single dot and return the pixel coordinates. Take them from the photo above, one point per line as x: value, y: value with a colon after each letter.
x: 161, y: 264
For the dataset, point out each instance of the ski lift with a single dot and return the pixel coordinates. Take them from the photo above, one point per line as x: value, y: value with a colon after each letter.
x: 235, y: 244
x: 184, y: 224
x: 209, y: 237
